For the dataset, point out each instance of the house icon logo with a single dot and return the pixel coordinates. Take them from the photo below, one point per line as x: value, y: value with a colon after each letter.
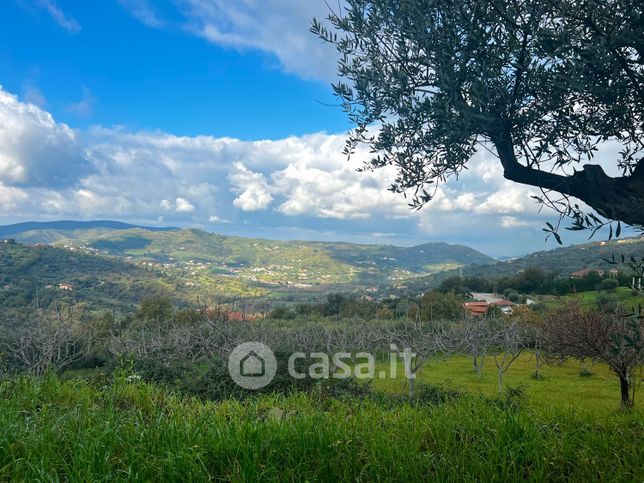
x: 252, y: 365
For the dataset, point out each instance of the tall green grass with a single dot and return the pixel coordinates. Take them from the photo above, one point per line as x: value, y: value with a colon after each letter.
x: 53, y: 430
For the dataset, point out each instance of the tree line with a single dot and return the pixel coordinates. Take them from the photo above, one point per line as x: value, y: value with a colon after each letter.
x: 168, y: 346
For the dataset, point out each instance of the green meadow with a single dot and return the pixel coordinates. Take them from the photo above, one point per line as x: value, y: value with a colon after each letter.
x: 561, y: 386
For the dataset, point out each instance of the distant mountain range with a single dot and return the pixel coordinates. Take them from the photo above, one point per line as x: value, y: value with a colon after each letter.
x: 32, y: 231
x: 204, y: 259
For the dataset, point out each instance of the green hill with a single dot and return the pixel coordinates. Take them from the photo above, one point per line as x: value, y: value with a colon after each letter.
x: 561, y: 261
x: 226, y: 263
x: 206, y: 264
x: 38, y: 276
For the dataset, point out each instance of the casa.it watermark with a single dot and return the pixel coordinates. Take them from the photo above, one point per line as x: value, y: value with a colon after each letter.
x: 253, y: 365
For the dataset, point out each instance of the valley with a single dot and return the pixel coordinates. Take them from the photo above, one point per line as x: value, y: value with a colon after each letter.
x: 210, y: 264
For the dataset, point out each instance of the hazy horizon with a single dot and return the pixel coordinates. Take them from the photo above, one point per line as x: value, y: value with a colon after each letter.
x: 291, y: 234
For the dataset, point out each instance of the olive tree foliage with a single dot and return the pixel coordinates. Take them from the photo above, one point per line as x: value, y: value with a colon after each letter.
x: 538, y: 83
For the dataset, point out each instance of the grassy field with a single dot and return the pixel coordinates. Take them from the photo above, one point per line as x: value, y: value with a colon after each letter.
x: 588, y: 300
x: 52, y: 430
x: 560, y: 386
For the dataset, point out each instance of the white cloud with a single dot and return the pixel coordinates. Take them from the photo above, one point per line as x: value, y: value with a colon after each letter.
x: 466, y: 202
x: 34, y: 149
x: 48, y: 170
x: 68, y: 23
x: 510, y: 198
x: 96, y: 204
x: 513, y: 222
x: 252, y: 188
x: 184, y: 206
x: 337, y: 192
x: 277, y: 27
x: 10, y: 198
x: 179, y: 205
x: 166, y: 205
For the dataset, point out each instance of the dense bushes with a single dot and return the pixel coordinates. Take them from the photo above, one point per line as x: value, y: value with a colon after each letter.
x: 211, y: 381
x: 465, y: 285
x: 432, y: 305
x: 537, y: 281
x: 440, y: 306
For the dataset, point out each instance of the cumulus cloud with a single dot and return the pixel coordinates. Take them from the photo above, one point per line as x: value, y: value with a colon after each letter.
x: 35, y: 150
x: 510, y: 198
x: 10, y: 198
x: 337, y: 192
x: 179, y: 205
x: 252, y: 188
x: 183, y: 206
x: 48, y: 170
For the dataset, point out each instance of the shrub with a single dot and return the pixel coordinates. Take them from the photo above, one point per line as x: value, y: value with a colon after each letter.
x: 515, y: 397
x: 384, y: 313
x: 608, y: 285
x: 508, y: 291
x: 606, y: 303
x: 435, y: 395
x: 437, y: 306
x: 155, y: 309
x: 282, y: 312
x: 514, y: 297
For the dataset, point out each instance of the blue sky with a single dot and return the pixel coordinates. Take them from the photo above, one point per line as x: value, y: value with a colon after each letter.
x: 215, y: 114
x: 163, y: 77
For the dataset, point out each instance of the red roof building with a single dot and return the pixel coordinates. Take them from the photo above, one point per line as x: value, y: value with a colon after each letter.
x: 479, y: 309
x: 476, y: 308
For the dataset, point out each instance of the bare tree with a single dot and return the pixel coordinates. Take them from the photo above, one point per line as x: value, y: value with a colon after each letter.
x: 506, y: 343
x: 476, y: 334
x: 418, y: 343
x: 212, y: 333
x: 617, y: 340
x: 54, y: 340
x: 533, y: 324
